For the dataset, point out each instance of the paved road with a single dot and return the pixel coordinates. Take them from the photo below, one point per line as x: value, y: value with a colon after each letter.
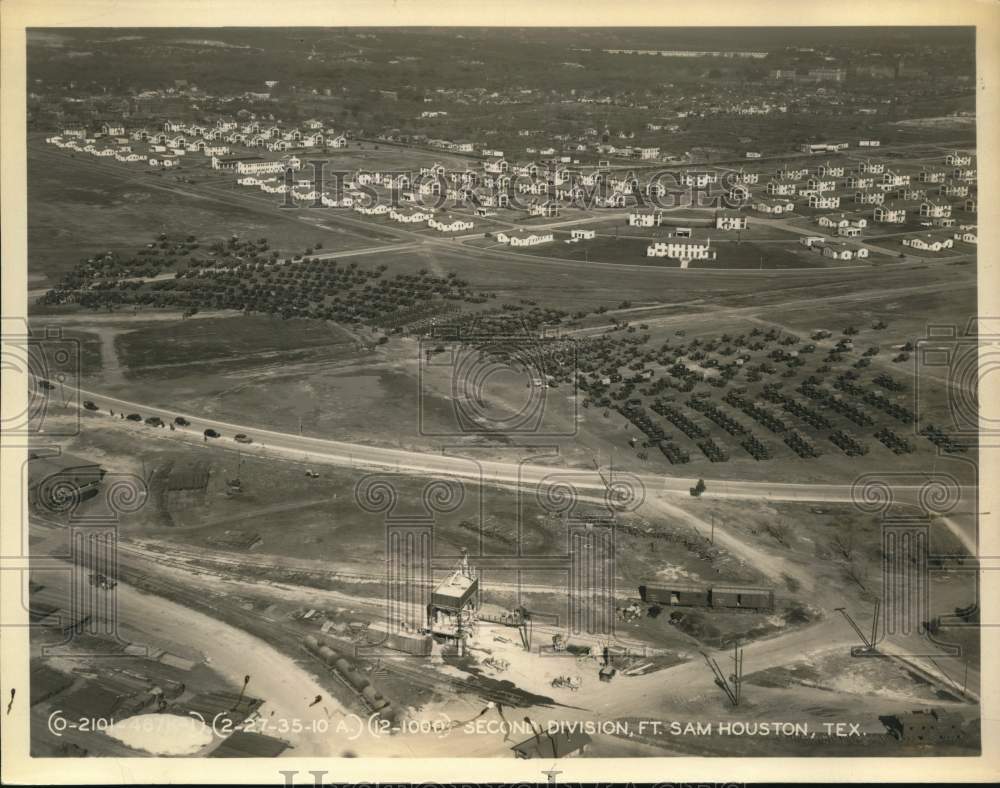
x: 331, y: 452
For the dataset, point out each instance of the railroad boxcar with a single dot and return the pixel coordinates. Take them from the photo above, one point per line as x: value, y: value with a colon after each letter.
x: 675, y: 594
x: 328, y: 655
x: 742, y: 597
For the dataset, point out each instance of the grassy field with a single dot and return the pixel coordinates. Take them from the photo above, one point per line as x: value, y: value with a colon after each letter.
x: 583, y: 287
x: 76, y: 209
x: 87, y: 345
x: 249, y: 339
x: 632, y: 251
x: 379, y: 156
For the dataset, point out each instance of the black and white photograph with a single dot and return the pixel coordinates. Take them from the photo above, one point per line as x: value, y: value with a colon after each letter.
x: 527, y: 392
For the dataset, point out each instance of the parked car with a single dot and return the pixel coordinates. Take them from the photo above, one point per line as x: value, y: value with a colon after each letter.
x: 312, y: 474
x: 180, y: 421
x: 45, y: 385
x: 89, y: 405
x: 239, y: 437
x: 210, y: 433
x: 154, y: 421
x: 134, y: 417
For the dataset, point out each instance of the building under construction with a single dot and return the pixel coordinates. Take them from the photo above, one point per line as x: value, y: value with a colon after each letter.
x: 454, y: 606
x: 925, y: 726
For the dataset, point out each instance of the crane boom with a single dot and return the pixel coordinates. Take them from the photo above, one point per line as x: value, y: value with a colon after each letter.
x: 868, y: 644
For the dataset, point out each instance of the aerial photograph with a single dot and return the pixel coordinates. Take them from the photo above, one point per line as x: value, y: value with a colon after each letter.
x: 512, y: 393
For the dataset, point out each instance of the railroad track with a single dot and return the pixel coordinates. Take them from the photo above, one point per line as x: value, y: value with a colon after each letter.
x: 292, y: 640
x: 453, y: 684
x: 196, y: 562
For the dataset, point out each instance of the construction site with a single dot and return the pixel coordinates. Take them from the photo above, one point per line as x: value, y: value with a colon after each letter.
x: 431, y: 642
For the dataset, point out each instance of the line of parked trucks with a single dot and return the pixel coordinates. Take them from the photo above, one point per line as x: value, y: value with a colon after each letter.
x: 156, y: 421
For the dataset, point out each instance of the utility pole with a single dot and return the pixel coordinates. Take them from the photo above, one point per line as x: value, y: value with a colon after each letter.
x: 712, y: 540
x: 246, y: 680
x: 737, y: 671
x: 732, y: 685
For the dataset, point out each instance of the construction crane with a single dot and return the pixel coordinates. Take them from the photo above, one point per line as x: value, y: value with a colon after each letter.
x: 869, y: 648
x: 737, y: 676
x: 733, y: 685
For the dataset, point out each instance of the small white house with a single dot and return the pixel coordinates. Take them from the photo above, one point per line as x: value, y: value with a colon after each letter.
x: 934, y: 210
x: 871, y: 167
x: 450, y: 224
x: 682, y: 249
x: 524, y: 238
x: 781, y: 188
x: 731, y: 221
x: 739, y: 193
x: 645, y: 219
x: 825, y: 201
x: 774, y: 207
x: 549, y: 208
x: 929, y: 242
x: 890, y: 214
x: 840, y: 251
